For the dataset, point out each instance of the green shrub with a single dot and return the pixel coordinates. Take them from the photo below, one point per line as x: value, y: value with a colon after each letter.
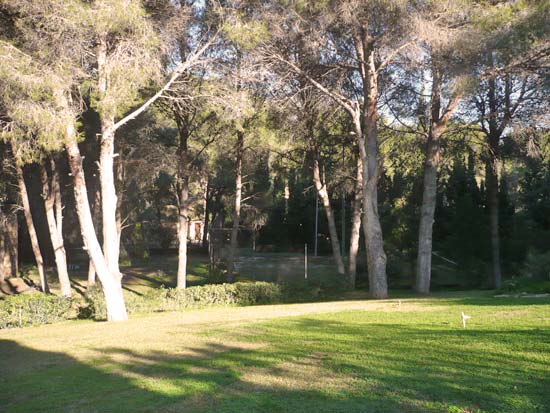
x: 221, y: 294
x: 34, y: 309
x: 95, y: 308
x: 172, y: 299
x: 537, y: 265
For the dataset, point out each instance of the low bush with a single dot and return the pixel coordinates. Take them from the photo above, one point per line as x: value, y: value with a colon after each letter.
x: 525, y: 285
x: 34, y: 309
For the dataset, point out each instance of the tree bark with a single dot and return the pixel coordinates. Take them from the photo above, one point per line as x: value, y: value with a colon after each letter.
x: 112, y: 287
x: 368, y: 149
x: 355, y: 224
x: 239, y: 148
x: 49, y: 197
x: 322, y: 192
x: 30, y: 225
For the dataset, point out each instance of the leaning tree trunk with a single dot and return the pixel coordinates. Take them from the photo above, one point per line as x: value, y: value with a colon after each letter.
x: 493, y: 206
x: 9, y: 262
x: 49, y: 198
x: 237, y: 208
x: 32, y: 230
x: 111, y: 282
x: 322, y: 192
x: 355, y: 224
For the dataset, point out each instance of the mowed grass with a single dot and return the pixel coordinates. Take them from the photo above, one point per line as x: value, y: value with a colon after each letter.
x: 345, y: 356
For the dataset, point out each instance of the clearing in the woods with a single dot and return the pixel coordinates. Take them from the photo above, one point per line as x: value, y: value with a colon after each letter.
x: 345, y: 356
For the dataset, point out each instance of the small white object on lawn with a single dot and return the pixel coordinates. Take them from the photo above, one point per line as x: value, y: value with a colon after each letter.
x: 464, y: 318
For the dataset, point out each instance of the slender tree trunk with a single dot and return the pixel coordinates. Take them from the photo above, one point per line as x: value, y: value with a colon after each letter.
x: 206, y: 218
x: 323, y: 194
x: 49, y: 196
x: 183, y: 230
x: 32, y: 230
x: 4, y: 254
x: 95, y: 219
x: 183, y: 206
x: 112, y: 287
x: 355, y: 224
x: 239, y: 147
x: 493, y: 206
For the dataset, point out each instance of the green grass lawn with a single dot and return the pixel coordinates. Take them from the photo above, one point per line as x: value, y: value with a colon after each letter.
x: 343, y: 356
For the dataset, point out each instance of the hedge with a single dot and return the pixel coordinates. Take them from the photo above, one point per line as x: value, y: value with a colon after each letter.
x: 34, y: 309
x: 172, y: 299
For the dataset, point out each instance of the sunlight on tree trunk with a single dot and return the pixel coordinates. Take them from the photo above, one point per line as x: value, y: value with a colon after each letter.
x: 112, y: 287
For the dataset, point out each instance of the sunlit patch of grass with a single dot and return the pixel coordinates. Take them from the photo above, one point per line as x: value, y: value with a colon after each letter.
x: 342, y: 356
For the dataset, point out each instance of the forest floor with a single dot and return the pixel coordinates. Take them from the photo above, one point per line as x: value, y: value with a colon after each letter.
x: 407, y: 355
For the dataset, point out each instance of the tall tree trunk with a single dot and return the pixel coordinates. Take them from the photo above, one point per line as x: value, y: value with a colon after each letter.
x: 427, y: 214
x: 183, y: 206
x: 322, y: 192
x: 429, y: 196
x: 111, y: 246
x: 49, y: 198
x: 112, y: 287
x: 368, y: 149
x: 493, y: 137
x: 355, y: 224
x: 30, y: 225
x: 239, y: 148
x: 493, y: 206
x: 96, y: 209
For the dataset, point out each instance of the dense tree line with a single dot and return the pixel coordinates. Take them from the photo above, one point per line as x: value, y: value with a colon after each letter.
x: 419, y: 128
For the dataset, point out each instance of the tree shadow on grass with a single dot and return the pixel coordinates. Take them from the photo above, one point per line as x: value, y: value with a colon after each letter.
x: 298, y: 365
